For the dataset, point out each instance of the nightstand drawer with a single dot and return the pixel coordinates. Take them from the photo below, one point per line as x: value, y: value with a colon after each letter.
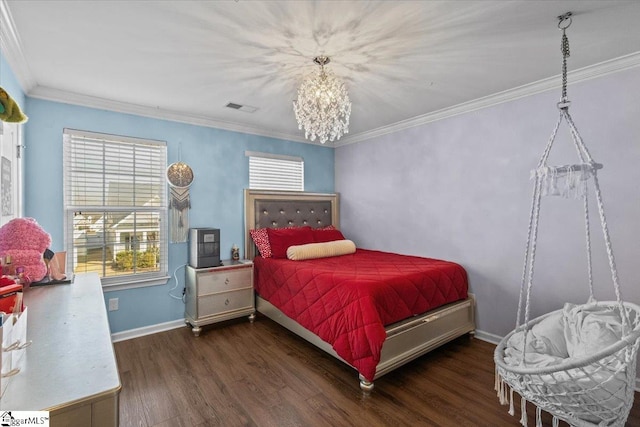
x: 222, y: 281
x: 225, y: 302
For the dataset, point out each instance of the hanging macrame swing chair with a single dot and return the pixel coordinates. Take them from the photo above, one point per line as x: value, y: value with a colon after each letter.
x: 577, y: 363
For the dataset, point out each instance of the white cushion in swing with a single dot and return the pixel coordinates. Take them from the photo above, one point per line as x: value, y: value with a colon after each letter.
x: 589, y: 328
x: 576, y: 331
x: 546, y: 343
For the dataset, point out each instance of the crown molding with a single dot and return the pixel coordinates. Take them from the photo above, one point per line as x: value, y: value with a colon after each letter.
x: 12, y: 48
x: 540, y: 86
x: 56, y: 95
x: 598, y: 70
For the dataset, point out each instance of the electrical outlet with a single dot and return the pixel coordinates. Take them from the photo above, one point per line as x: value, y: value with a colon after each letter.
x: 113, y: 304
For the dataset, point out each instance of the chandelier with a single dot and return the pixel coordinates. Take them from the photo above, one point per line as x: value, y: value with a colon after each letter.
x: 323, y: 106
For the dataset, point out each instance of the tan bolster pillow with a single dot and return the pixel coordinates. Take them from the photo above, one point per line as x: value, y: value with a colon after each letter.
x: 320, y: 250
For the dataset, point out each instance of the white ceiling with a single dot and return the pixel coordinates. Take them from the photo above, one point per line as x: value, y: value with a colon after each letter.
x: 403, y: 61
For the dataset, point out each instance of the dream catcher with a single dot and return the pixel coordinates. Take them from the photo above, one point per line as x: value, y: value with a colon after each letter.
x: 179, y: 177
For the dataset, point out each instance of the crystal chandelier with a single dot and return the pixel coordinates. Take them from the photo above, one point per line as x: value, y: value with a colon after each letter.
x: 323, y: 106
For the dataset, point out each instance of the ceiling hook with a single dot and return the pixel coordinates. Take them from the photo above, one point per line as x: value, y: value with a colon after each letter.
x: 564, y: 21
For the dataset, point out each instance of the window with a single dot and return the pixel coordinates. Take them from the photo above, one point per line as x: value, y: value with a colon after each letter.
x: 115, y: 207
x: 275, y: 172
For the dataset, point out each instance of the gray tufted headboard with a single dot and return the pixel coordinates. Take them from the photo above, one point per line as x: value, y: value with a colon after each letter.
x: 276, y: 209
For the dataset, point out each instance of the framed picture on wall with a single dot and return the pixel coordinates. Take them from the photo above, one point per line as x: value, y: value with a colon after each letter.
x: 10, y: 168
x: 5, y: 182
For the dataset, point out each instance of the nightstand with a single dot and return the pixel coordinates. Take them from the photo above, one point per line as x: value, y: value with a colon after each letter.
x: 219, y: 293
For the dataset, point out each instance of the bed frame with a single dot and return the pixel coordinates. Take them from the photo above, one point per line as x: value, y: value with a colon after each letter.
x: 407, y: 339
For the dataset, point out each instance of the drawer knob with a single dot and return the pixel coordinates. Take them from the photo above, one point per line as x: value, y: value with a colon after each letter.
x: 226, y: 302
x: 226, y: 281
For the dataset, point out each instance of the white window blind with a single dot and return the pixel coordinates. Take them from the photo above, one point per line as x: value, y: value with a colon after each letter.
x: 274, y: 172
x: 115, y: 207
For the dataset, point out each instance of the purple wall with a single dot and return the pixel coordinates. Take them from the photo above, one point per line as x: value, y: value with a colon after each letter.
x: 459, y: 189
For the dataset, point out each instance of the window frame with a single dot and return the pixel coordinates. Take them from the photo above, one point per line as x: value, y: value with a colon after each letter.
x: 72, y: 142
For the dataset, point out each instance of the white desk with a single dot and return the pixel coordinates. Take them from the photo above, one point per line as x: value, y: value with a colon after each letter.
x: 70, y: 369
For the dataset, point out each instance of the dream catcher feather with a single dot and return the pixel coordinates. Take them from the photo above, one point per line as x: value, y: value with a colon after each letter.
x: 180, y: 178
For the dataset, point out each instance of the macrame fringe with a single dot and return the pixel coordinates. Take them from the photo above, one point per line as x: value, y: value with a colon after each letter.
x: 565, y: 181
x: 523, y: 411
x: 511, y: 408
x: 501, y: 389
x: 503, y: 395
x: 179, y: 205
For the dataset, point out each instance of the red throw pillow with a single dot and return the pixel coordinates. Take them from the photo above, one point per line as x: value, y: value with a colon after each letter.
x: 281, y: 238
x: 261, y: 239
x: 322, y: 235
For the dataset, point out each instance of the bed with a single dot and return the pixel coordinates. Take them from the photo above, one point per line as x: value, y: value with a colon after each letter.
x: 401, y: 340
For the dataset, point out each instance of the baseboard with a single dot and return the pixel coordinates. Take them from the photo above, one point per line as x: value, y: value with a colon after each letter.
x: 486, y: 336
x: 147, y: 330
x: 495, y: 339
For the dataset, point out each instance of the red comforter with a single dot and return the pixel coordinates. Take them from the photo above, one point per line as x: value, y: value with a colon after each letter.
x: 347, y: 300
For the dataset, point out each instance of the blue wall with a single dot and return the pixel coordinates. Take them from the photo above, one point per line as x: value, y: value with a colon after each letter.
x: 221, y: 170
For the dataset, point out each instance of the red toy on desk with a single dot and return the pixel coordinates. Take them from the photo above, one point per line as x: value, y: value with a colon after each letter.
x: 9, y: 295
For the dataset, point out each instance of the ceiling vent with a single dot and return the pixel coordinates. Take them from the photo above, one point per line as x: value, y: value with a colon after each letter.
x: 240, y: 107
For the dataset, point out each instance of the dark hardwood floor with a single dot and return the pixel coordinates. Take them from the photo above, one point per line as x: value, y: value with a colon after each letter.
x: 242, y: 374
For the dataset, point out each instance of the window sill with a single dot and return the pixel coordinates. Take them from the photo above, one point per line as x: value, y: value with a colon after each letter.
x: 139, y: 283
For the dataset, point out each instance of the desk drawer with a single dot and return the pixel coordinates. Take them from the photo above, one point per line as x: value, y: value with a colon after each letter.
x: 225, y: 302
x: 222, y: 281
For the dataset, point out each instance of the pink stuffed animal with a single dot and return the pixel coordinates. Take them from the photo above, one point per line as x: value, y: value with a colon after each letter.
x: 25, y: 242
